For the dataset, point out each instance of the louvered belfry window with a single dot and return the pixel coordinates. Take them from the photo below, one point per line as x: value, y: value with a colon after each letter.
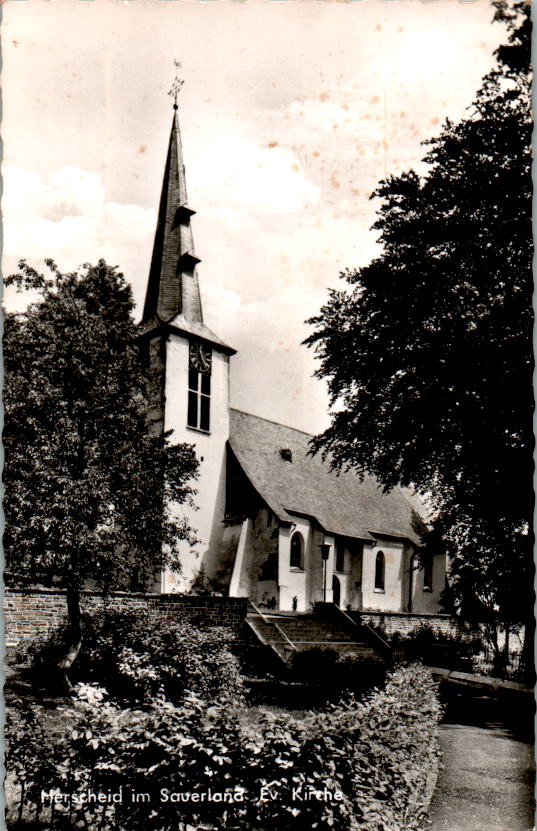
x: 199, y: 387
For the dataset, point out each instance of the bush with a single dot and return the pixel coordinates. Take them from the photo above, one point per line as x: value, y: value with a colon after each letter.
x: 31, y: 755
x: 356, y: 672
x: 340, y: 672
x: 137, y: 657
x: 437, y: 648
x: 315, y: 664
x: 353, y: 767
x: 42, y: 653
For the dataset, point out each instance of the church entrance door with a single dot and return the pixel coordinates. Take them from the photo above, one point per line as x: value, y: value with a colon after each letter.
x: 336, y: 590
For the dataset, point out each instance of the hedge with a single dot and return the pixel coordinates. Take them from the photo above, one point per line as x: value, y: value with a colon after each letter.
x: 358, y: 765
x: 137, y: 658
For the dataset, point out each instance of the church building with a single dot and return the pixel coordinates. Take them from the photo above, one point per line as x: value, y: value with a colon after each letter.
x: 275, y: 523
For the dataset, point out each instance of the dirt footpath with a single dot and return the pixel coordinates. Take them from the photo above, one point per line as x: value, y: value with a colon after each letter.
x: 487, y: 781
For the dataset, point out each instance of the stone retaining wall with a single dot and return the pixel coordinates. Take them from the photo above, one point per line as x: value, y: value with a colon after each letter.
x: 407, y: 622
x: 35, y: 611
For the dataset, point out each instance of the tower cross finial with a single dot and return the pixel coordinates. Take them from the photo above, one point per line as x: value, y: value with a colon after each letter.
x: 177, y: 84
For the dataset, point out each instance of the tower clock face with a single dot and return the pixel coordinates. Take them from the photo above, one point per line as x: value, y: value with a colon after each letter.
x: 200, y: 357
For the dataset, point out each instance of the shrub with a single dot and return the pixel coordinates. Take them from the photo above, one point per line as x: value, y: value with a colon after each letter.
x: 42, y: 653
x: 375, y: 755
x: 315, y: 664
x: 357, y: 672
x: 339, y: 672
x: 30, y: 760
x: 438, y: 648
x: 137, y: 657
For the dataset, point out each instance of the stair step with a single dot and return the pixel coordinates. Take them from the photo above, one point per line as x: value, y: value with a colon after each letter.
x: 350, y: 647
x: 344, y: 648
x: 334, y: 643
x: 290, y: 633
x: 305, y: 631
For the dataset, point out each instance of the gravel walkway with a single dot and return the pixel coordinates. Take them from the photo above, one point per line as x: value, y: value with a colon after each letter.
x: 487, y: 780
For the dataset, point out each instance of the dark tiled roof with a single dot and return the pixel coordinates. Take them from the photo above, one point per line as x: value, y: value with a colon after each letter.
x: 341, y: 504
x: 180, y: 325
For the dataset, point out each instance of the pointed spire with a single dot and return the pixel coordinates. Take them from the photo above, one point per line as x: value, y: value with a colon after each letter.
x: 173, y: 283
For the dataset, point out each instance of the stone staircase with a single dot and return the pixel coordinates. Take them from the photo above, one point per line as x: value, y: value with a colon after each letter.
x: 290, y: 632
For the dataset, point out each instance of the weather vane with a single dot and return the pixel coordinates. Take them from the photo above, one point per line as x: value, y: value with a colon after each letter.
x: 177, y: 84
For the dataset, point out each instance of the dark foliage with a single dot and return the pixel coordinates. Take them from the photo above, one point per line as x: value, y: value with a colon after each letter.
x: 438, y: 649
x: 428, y: 352
x: 315, y: 664
x: 339, y: 673
x: 357, y: 673
x: 377, y: 753
x: 89, y: 488
x: 137, y: 657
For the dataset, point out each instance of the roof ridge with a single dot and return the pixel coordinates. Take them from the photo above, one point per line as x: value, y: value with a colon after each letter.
x: 271, y: 421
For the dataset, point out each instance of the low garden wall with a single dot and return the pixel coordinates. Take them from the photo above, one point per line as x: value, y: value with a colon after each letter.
x: 406, y: 622
x: 34, y: 612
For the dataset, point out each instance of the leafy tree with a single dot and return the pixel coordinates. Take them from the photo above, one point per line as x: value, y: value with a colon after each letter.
x: 89, y: 486
x: 428, y: 351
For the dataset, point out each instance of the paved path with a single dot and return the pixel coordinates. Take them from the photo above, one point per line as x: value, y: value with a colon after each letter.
x: 487, y: 780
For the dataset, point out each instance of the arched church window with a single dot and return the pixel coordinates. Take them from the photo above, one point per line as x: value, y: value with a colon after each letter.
x: 428, y: 575
x: 297, y: 551
x: 379, y: 571
x: 199, y: 387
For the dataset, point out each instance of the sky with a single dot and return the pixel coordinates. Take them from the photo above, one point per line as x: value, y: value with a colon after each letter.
x: 291, y: 113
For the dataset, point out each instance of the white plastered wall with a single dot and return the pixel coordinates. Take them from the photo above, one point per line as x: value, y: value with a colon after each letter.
x: 390, y: 599
x: 424, y: 600
x: 211, y: 452
x: 293, y: 582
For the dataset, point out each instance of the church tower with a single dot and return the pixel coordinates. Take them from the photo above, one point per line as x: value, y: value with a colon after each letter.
x: 192, y: 398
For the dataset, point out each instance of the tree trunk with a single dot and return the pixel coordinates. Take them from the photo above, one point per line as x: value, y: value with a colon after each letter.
x: 73, y: 635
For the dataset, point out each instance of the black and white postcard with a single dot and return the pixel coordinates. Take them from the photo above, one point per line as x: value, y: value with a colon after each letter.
x: 268, y: 415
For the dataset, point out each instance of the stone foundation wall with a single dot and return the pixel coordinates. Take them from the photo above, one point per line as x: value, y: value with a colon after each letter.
x: 35, y: 611
x: 407, y: 622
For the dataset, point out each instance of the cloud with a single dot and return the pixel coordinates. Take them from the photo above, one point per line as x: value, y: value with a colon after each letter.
x: 269, y: 178
x: 269, y: 248
x: 270, y: 358
x: 22, y: 194
x: 73, y: 192
x: 67, y: 217
x: 433, y: 51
